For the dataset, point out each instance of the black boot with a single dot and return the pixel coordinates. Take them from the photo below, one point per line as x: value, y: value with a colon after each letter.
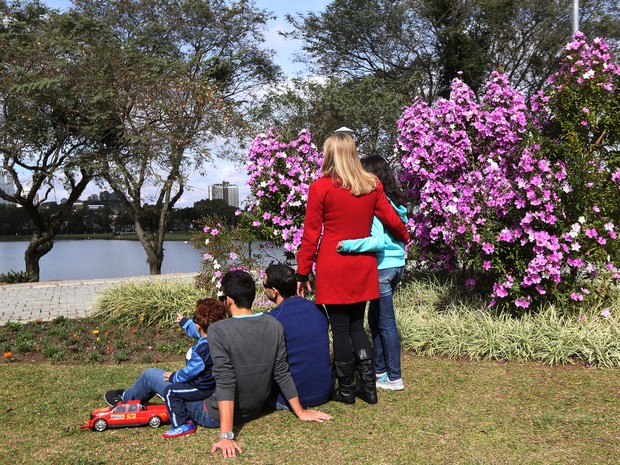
x: 366, y: 368
x: 345, y: 373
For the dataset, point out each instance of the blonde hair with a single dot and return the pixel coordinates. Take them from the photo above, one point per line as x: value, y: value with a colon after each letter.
x: 342, y: 163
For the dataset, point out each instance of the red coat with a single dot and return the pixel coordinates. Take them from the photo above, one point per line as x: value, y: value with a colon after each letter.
x: 343, y: 278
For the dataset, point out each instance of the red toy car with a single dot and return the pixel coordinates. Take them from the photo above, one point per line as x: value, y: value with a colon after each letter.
x: 130, y: 413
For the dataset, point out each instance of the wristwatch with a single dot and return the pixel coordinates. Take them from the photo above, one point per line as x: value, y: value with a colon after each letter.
x: 228, y: 435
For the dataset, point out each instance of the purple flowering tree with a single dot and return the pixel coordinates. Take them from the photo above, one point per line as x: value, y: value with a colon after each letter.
x: 499, y: 185
x: 280, y: 173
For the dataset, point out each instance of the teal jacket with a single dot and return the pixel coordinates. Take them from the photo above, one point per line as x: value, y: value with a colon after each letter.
x: 390, y: 253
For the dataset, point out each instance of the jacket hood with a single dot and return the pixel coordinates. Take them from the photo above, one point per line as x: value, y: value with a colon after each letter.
x: 401, y: 210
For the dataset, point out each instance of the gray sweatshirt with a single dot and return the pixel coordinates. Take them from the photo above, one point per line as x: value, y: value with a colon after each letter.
x: 248, y: 354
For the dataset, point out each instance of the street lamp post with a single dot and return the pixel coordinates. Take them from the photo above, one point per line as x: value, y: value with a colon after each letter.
x: 575, y: 16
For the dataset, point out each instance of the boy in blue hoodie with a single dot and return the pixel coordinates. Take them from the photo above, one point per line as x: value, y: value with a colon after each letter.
x: 391, y: 263
x: 193, y: 382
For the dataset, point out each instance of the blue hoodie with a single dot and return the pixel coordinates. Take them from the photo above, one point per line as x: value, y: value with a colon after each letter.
x: 198, y: 363
x: 390, y: 253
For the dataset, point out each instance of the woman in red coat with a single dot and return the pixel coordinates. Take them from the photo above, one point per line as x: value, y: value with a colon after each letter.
x: 341, y: 205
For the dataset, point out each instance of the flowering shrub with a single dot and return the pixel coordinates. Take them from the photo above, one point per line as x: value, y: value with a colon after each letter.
x: 225, y: 248
x: 280, y: 174
x: 524, y: 200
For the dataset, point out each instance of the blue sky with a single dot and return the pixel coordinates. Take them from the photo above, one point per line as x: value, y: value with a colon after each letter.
x: 285, y: 50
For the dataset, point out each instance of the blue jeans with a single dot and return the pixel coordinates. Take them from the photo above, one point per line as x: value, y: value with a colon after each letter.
x: 148, y: 384
x: 198, y: 412
x: 151, y: 382
x: 382, y: 322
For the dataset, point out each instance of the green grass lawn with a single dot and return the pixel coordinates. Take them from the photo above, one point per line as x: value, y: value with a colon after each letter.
x: 451, y: 412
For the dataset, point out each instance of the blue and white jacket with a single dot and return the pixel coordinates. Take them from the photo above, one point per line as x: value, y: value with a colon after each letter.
x: 198, y: 363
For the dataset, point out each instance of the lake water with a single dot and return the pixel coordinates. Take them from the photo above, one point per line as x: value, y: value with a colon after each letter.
x: 97, y: 258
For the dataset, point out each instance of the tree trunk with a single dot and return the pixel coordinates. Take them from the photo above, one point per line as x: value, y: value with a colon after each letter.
x: 153, y: 248
x: 155, y: 264
x: 37, y: 248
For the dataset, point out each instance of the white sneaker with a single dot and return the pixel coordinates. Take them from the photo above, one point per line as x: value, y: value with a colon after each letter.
x: 380, y: 375
x: 385, y: 383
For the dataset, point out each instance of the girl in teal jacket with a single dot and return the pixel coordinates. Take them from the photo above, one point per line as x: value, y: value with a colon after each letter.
x: 391, y: 264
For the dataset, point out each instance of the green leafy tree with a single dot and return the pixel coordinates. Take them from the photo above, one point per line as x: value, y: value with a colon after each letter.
x: 180, y: 69
x: 52, y: 116
x: 378, y: 55
x: 368, y: 105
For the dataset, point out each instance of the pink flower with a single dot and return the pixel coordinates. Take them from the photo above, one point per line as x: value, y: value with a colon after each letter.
x: 576, y: 296
x: 606, y: 313
x: 523, y: 303
x: 488, y: 248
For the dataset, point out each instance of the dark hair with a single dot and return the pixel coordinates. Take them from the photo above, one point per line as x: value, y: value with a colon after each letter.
x: 209, y: 311
x: 381, y: 169
x: 240, y: 287
x: 281, y: 277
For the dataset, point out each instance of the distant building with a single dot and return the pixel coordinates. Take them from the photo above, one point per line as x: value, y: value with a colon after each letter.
x: 229, y: 193
x: 6, y: 184
x: 26, y: 193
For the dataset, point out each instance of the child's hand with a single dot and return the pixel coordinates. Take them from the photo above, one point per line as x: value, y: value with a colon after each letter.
x: 339, y: 246
x: 167, y: 375
x: 179, y: 318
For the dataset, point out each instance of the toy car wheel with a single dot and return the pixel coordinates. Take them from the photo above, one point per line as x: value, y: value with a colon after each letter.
x: 155, y: 422
x: 100, y: 425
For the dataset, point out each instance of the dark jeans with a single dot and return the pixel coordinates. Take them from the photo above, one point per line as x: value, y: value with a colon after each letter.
x: 176, y: 395
x: 348, y: 335
x: 151, y: 382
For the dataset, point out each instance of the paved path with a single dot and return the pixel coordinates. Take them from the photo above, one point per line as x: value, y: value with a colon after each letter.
x: 71, y: 299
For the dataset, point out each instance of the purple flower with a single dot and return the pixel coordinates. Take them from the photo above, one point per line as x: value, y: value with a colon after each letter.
x: 488, y: 248
x: 576, y: 296
x: 523, y: 303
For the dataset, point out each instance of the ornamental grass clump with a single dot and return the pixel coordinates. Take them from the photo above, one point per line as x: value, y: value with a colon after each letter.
x: 462, y: 329
x: 148, y: 303
x: 522, y: 197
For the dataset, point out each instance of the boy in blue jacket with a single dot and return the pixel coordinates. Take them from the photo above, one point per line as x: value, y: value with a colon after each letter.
x: 391, y: 263
x: 192, y: 382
